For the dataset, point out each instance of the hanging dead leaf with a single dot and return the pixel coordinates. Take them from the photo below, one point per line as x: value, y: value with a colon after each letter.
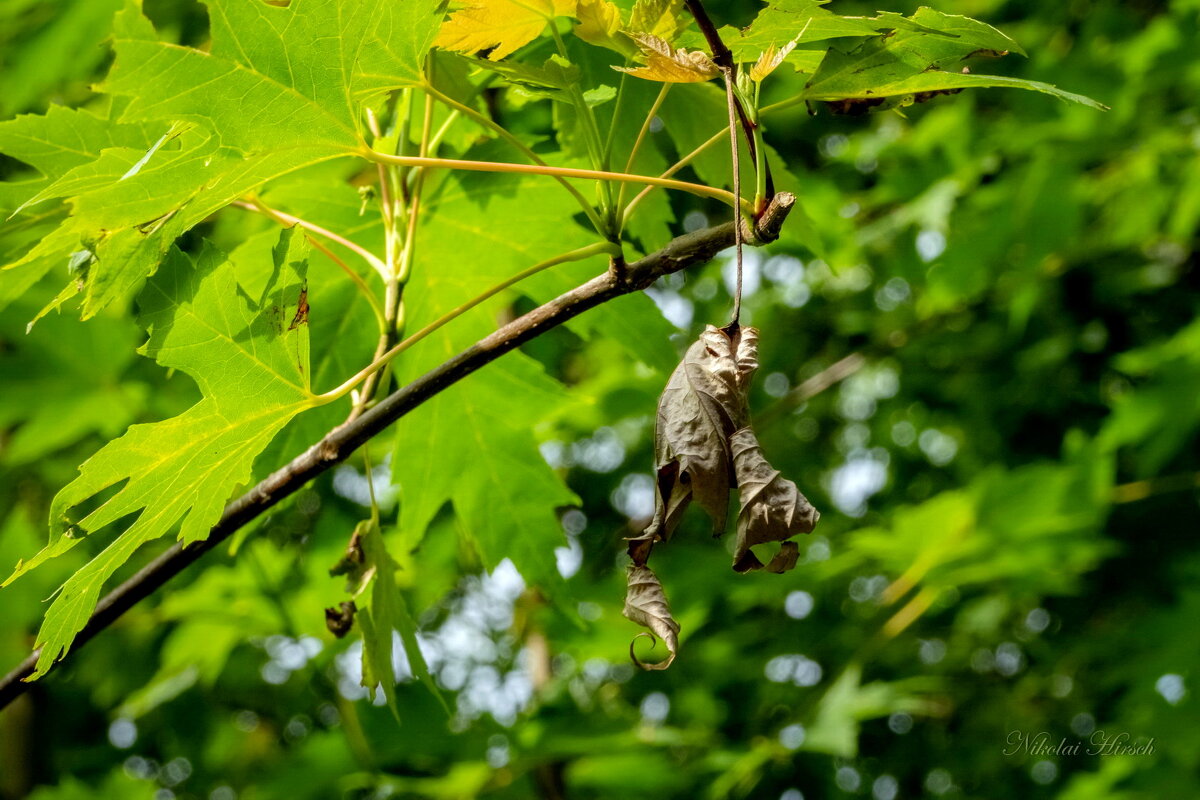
x: 773, y: 509
x: 668, y: 65
x: 646, y: 604
x: 703, y: 403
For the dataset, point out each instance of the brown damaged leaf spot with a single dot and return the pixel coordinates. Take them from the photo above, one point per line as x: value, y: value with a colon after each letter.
x: 646, y: 604
x: 773, y: 509
x: 301, y: 317
x: 340, y: 620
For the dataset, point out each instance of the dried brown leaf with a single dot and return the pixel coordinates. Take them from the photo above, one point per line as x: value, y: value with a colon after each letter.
x: 704, y: 401
x: 646, y: 604
x: 773, y: 509
x: 353, y: 565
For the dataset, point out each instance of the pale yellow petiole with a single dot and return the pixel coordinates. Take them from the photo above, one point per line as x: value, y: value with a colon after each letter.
x: 724, y: 196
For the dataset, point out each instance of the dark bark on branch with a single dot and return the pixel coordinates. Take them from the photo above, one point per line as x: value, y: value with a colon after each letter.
x: 722, y: 56
x: 340, y: 443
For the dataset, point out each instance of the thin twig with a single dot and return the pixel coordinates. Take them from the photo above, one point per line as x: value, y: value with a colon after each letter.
x: 671, y: 170
x: 363, y: 289
x: 737, y: 192
x: 637, y: 143
x: 722, y: 56
x: 340, y: 443
x: 836, y: 372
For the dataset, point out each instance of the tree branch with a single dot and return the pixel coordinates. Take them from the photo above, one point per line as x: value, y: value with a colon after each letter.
x: 340, y: 443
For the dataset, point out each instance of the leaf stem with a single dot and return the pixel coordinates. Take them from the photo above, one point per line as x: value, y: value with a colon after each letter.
x: 509, y: 137
x: 760, y: 162
x: 591, y: 132
x: 560, y: 172
x: 288, y: 220
x: 364, y: 290
x: 723, y: 58
x: 678, y: 165
x: 283, y: 218
x: 737, y: 192
x: 637, y: 143
x: 618, y: 107
x: 588, y: 251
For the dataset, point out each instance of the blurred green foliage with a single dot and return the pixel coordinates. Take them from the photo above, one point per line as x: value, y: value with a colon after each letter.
x: 1008, y: 481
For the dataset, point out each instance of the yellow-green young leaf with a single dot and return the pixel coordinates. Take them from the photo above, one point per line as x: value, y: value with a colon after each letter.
x: 668, y: 65
x: 388, y: 612
x: 250, y: 360
x: 665, y: 19
x: 600, y: 24
x: 499, y: 26
x: 771, y: 58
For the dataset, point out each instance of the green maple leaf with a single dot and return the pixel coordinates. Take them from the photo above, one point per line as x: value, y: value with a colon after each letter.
x: 54, y: 144
x: 923, y: 57
x: 250, y: 360
x: 387, y: 612
x: 394, y: 54
x: 280, y: 89
x: 786, y: 21
x: 474, y: 445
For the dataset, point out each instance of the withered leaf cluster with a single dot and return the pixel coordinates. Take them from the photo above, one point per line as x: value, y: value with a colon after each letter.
x: 704, y: 447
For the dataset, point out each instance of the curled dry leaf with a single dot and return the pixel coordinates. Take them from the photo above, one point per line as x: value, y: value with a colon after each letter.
x: 668, y: 65
x: 703, y: 447
x: 353, y: 565
x: 703, y: 403
x: 773, y: 509
x: 646, y: 604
